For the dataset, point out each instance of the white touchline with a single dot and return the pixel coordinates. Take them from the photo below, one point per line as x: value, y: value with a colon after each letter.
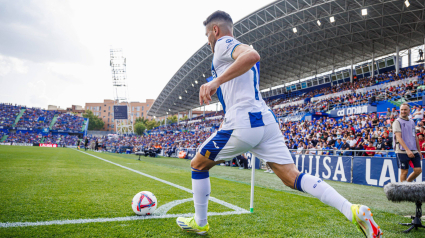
x: 158, y: 214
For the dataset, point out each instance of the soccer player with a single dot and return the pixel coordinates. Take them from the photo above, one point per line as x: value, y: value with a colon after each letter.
x: 249, y: 125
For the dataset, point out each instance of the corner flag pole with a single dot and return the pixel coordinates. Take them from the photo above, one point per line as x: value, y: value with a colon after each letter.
x: 251, y: 206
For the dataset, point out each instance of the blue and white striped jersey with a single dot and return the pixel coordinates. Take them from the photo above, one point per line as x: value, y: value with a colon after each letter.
x: 240, y: 97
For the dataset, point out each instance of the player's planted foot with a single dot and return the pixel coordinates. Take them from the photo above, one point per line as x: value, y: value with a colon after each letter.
x: 363, y: 219
x: 189, y: 225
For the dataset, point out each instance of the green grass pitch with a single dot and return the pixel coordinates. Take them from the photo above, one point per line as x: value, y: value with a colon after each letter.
x: 59, y: 184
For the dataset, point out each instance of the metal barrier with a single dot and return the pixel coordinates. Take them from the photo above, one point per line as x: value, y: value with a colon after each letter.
x: 388, y: 153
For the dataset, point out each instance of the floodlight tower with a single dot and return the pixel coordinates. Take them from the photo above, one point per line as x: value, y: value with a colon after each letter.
x: 120, y: 88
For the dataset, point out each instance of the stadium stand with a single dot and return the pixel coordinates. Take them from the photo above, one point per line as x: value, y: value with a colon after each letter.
x: 19, y: 124
x: 320, y: 135
x: 23, y: 138
x: 361, y: 132
x: 68, y: 122
x: 36, y: 118
x: 8, y: 114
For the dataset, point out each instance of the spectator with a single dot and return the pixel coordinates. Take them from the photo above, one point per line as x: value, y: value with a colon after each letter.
x: 418, y: 114
x: 352, y: 142
x: 380, y: 144
x: 394, y: 112
x: 368, y: 146
x: 345, y: 147
x: 301, y: 149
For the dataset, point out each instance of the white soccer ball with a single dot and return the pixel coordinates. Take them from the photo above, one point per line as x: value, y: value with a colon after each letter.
x: 144, y: 203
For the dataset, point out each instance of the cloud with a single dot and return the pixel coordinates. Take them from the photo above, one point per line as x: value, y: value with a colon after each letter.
x: 11, y: 64
x: 39, y: 31
x: 40, y: 98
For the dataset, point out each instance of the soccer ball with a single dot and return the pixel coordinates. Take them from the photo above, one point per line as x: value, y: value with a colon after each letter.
x: 144, y: 203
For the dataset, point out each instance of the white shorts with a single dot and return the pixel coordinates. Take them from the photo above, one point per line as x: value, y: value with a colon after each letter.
x: 264, y: 142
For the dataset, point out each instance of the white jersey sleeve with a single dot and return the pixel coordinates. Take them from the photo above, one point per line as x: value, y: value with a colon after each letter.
x: 240, y: 97
x: 224, y: 49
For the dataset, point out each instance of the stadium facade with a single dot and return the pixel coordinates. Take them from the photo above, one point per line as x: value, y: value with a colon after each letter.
x: 299, y: 39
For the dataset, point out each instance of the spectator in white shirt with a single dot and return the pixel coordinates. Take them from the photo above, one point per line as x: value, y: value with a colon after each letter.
x: 300, y: 149
x: 352, y: 141
x: 418, y: 115
x: 319, y: 149
x: 312, y: 150
x: 363, y: 122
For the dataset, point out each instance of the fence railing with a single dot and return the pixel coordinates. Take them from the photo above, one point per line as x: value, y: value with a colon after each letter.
x: 387, y: 153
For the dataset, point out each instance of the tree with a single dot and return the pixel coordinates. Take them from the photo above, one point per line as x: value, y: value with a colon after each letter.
x: 172, y: 119
x: 139, y: 128
x: 142, y: 120
x: 184, y: 118
x: 95, y: 123
x: 151, y: 124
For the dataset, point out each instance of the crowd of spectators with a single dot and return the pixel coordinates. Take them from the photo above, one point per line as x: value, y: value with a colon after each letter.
x: 30, y: 138
x: 363, y: 133
x: 352, y: 98
x: 23, y: 138
x: 61, y: 140
x: 36, y: 118
x: 68, y: 122
x: 8, y: 114
x: 356, y: 84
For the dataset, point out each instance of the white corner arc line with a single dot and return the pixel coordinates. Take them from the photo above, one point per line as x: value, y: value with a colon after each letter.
x: 162, y: 210
x: 96, y: 220
x: 231, y: 206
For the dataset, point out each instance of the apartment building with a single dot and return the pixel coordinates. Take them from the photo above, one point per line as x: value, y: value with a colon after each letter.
x: 105, y: 111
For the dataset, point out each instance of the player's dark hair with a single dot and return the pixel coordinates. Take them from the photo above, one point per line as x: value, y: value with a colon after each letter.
x: 219, y: 15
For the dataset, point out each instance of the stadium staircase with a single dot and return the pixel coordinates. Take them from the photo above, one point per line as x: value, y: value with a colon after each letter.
x: 3, y: 138
x: 397, y: 103
x: 84, y: 126
x: 53, y: 121
x: 19, y: 117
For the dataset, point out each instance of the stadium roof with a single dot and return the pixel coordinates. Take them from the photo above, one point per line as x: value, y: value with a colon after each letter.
x: 314, y: 48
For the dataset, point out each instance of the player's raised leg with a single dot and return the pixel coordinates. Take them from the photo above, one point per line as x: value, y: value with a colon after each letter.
x: 272, y: 148
x: 360, y: 215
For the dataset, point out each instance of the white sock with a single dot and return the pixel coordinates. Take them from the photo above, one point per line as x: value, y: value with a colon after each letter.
x: 325, y: 193
x: 201, y: 188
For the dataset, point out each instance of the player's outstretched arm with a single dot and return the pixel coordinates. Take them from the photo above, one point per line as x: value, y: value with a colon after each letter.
x: 245, y: 57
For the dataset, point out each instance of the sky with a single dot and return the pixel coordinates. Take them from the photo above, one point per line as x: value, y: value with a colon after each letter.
x: 57, y: 52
